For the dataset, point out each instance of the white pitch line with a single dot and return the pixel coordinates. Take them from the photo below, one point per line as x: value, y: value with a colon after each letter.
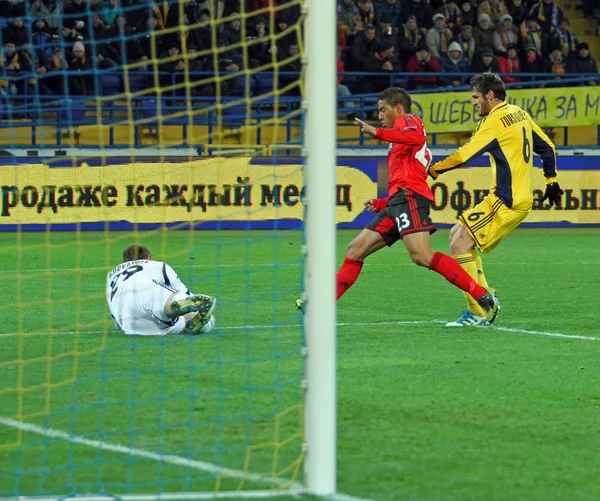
x: 168, y: 496
x: 340, y: 324
x: 294, y: 488
x: 251, y: 266
x: 230, y: 328
x: 141, y: 453
x: 548, y: 334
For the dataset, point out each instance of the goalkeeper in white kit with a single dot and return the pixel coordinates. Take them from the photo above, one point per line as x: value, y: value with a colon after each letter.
x: 147, y: 298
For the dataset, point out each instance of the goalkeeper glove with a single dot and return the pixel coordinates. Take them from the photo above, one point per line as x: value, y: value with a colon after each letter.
x: 553, y: 193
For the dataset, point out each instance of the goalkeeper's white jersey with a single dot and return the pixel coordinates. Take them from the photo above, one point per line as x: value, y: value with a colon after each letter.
x: 136, y: 292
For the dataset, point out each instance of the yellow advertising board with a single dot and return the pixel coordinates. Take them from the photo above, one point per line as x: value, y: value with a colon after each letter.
x: 460, y: 189
x: 561, y: 107
x: 216, y: 189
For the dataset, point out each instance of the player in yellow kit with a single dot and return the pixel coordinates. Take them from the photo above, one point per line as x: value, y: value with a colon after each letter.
x: 510, y: 137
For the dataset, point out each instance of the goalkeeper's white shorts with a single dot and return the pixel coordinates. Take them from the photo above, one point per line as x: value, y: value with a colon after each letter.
x: 143, y: 309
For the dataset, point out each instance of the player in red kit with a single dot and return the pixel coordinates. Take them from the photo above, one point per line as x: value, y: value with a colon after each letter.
x: 404, y: 214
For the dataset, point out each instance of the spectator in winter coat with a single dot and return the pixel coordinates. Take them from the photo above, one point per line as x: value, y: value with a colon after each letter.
x: 79, y: 84
x: 409, y: 38
x: 41, y: 37
x: 548, y: 15
x: 16, y: 32
x: 363, y: 46
x: 438, y: 38
x: 556, y: 64
x: 454, y: 62
x: 469, y: 15
x: 533, y: 62
x: 392, y: 8
x: 366, y: 11
x: 49, y: 10
x: 530, y: 33
x: 485, y: 62
x: 466, y: 41
x: 382, y: 61
x: 483, y: 32
x: 510, y: 64
x: 583, y: 63
x: 563, y: 38
x: 423, y: 62
x: 422, y: 11
x: 452, y: 14
x: 518, y: 10
x: 349, y: 18
x: 495, y: 9
x: 506, y: 33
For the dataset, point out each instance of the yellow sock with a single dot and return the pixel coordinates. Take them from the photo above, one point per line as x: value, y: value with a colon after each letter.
x: 468, y: 264
x: 481, y: 280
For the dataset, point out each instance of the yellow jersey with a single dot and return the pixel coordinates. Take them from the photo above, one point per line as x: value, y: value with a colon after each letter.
x: 510, y: 137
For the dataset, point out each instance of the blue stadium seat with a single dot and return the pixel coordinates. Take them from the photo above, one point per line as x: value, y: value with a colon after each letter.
x: 72, y: 111
x: 110, y: 85
x: 235, y: 116
x: 148, y: 107
x: 137, y: 82
x: 265, y: 82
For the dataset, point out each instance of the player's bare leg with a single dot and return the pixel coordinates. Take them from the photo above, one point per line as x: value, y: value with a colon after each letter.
x: 364, y: 244
x: 462, y: 247
x: 420, y: 251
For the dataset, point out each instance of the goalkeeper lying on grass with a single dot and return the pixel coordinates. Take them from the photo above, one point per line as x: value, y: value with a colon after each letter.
x: 147, y: 298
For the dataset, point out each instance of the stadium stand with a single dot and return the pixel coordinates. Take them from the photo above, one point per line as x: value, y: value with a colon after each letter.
x: 56, y: 51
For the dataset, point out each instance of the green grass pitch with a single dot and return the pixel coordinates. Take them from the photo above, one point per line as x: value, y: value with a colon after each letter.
x: 424, y: 413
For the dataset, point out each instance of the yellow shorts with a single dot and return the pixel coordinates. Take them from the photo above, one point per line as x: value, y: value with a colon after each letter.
x: 490, y: 221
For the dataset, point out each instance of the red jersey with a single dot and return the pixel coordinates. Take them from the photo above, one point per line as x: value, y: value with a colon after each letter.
x: 408, y: 156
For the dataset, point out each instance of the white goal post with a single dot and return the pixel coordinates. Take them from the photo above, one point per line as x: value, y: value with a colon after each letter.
x: 320, y: 229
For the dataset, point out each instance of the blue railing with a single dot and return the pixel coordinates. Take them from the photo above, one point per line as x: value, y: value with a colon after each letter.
x: 171, y: 105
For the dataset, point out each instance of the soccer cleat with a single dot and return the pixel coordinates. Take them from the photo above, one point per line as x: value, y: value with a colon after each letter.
x: 489, y: 302
x: 301, y: 306
x: 469, y: 319
x: 200, y: 324
x: 201, y: 303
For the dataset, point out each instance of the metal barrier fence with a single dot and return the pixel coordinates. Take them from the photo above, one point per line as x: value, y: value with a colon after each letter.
x: 121, y: 100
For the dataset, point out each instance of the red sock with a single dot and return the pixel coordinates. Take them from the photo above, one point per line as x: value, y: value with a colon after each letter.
x: 454, y: 273
x: 348, y: 274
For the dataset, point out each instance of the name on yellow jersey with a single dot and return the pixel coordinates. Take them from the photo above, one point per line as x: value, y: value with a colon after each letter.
x: 513, y: 118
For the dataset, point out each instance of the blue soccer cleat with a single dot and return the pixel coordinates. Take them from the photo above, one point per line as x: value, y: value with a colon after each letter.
x: 469, y: 319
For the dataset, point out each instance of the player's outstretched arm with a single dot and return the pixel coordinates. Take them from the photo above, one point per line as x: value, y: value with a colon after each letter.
x: 365, y: 127
x: 480, y: 142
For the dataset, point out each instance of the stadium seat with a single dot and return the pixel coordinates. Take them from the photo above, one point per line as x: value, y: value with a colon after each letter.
x: 235, y: 116
x: 137, y: 82
x: 110, y: 85
x: 72, y: 111
x: 148, y: 107
x: 265, y: 82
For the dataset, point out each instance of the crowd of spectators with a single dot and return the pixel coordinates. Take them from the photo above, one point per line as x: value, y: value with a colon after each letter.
x: 514, y: 37
x: 56, y: 47
x: 53, y: 47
